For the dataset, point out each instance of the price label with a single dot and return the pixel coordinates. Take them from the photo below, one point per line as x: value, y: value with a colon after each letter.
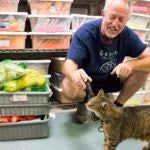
x: 19, y: 98
x: 4, y: 43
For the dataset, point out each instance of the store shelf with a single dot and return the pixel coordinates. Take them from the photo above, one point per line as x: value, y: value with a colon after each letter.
x: 146, y: 0
x: 140, y: 15
x: 28, y: 54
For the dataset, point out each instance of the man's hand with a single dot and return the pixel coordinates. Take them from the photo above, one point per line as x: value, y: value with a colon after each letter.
x: 123, y: 70
x: 80, y: 77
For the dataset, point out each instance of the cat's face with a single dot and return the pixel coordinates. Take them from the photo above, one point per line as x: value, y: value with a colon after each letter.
x: 100, y: 105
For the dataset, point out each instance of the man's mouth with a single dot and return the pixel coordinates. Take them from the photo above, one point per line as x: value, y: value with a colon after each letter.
x: 113, y: 30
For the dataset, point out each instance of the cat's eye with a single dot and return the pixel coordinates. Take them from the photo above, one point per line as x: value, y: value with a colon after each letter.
x: 90, y: 105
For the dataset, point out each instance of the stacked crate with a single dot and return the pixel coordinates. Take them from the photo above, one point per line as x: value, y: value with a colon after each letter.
x: 87, y: 7
x: 26, y: 104
x: 50, y: 24
x: 140, y: 23
x: 12, y: 25
x: 78, y: 20
x: 140, y: 19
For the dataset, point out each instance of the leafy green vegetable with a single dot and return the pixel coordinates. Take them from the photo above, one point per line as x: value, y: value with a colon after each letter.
x: 9, y: 71
x: 31, y: 78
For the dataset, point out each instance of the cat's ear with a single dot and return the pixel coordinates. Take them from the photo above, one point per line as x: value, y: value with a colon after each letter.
x: 100, y: 93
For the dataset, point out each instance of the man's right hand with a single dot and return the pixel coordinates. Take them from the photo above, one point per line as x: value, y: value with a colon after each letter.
x: 80, y: 77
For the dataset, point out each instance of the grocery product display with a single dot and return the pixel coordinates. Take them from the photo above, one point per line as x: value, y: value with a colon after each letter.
x: 50, y: 7
x: 57, y: 40
x: 9, y: 5
x: 80, y: 19
x: 48, y: 25
x: 140, y: 19
x: 14, y: 22
x: 12, y: 40
x: 139, y: 22
x: 24, y: 99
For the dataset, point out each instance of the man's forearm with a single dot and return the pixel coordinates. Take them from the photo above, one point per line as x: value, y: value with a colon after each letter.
x: 69, y: 68
x: 140, y: 64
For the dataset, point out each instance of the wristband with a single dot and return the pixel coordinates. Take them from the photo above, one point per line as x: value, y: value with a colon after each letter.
x: 118, y: 104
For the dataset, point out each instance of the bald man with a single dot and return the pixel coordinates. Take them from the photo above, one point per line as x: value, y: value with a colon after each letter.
x: 97, y: 53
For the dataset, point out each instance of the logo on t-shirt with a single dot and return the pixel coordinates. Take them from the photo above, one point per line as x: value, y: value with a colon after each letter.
x: 108, y: 55
x: 107, y: 67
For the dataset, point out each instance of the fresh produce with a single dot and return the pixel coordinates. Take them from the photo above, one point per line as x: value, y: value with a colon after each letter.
x: 10, y: 71
x: 32, y: 77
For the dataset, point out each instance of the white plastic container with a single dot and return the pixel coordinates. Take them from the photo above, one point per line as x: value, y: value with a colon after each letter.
x: 40, y: 65
x: 12, y: 40
x: 50, y: 7
x: 78, y: 20
x: 12, y: 21
x: 137, y: 99
x: 138, y: 21
x: 50, y: 23
x: 141, y: 7
x: 142, y: 33
x: 147, y: 84
x: 50, y: 40
x: 9, y: 5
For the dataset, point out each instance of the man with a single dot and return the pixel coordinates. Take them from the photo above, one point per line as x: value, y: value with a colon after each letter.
x: 97, y: 55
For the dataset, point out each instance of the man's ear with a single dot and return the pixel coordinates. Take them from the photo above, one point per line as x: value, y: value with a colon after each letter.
x: 100, y: 93
x: 102, y: 13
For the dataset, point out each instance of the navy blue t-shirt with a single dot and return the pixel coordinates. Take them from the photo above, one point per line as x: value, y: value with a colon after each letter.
x: 99, y: 59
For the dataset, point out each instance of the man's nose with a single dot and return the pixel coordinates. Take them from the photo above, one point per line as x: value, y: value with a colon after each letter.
x: 116, y: 23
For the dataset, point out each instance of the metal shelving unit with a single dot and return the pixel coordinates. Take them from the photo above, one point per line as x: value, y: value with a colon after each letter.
x: 31, y: 54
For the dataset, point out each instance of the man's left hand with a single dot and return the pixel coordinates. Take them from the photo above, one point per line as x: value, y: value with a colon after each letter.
x: 123, y: 70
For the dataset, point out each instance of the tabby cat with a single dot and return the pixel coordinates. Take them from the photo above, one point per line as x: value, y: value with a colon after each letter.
x: 120, y: 123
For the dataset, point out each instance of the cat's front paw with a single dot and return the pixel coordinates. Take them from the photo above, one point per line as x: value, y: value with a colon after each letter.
x: 146, y: 147
x: 93, y: 116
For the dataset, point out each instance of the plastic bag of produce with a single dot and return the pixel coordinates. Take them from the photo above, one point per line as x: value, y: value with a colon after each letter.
x: 10, y: 71
x: 32, y: 77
